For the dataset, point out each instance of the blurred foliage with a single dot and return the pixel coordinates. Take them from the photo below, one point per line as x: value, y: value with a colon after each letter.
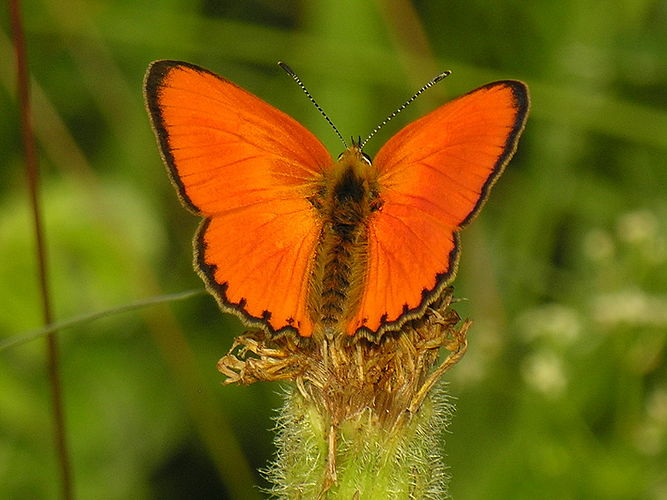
x: 563, y: 392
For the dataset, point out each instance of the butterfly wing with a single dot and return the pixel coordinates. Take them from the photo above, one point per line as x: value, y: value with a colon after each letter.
x: 435, y: 175
x: 248, y: 169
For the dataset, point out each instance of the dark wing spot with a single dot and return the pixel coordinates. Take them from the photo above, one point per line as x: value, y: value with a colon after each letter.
x: 383, y: 318
x: 242, y: 302
x: 266, y: 315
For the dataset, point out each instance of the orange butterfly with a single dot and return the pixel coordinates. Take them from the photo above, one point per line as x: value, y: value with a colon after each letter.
x: 294, y: 240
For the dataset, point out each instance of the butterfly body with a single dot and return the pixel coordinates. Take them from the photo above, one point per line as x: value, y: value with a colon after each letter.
x: 347, y: 198
x: 293, y: 241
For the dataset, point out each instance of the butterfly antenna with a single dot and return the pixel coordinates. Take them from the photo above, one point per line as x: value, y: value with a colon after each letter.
x: 430, y: 84
x: 298, y: 81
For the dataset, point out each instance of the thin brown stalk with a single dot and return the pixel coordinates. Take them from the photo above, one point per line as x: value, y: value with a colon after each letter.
x: 32, y: 172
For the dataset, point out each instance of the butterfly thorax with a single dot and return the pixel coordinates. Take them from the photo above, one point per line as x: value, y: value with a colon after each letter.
x: 346, y: 200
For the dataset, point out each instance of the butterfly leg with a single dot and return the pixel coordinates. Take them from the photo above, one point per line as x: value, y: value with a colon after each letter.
x: 456, y: 346
x: 254, y: 357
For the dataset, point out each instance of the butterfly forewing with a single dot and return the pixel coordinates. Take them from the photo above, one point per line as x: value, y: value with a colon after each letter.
x: 435, y: 175
x: 249, y: 169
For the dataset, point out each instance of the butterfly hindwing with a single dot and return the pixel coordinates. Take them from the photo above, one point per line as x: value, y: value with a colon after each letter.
x: 249, y: 169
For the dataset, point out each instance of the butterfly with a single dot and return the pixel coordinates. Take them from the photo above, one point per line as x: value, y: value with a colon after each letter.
x: 294, y: 240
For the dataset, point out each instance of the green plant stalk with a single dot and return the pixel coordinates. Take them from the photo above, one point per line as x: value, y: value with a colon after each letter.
x: 372, y: 462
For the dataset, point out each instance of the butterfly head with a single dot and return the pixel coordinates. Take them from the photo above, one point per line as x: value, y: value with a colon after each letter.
x: 354, y: 179
x: 354, y: 153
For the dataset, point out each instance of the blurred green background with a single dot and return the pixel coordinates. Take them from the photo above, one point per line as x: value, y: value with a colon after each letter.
x: 563, y: 392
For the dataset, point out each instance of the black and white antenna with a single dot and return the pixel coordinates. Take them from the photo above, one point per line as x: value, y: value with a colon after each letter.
x: 298, y: 81
x: 430, y: 84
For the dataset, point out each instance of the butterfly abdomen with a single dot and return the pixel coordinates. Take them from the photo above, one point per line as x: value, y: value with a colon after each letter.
x: 346, y: 202
x: 341, y: 260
